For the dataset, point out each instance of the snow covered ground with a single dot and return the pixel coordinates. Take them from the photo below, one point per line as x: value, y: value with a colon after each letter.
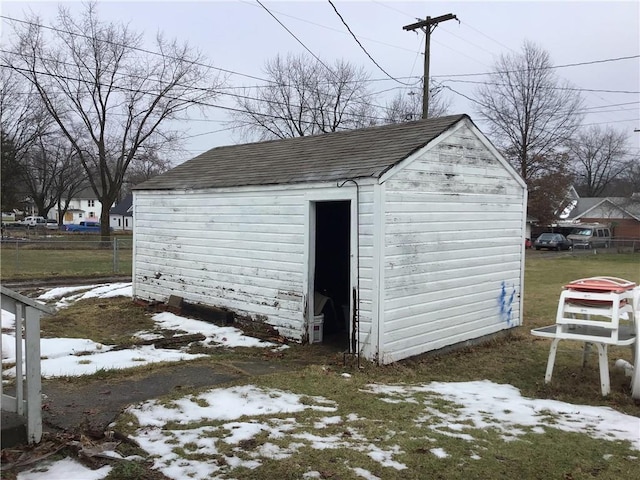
x: 223, y: 418
x: 60, y: 355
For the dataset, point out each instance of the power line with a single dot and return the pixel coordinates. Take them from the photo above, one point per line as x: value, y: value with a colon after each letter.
x: 212, y: 132
x: 582, y: 125
x: 487, y: 36
x: 474, y: 44
x: 362, y: 47
x: 143, y: 50
x: 234, y: 95
x: 394, y: 9
x: 355, y: 100
x: 192, y: 101
x: 477, y: 82
x: 326, y: 27
x: 612, y: 121
x: 445, y: 78
x: 232, y: 72
x: 552, y: 67
x: 444, y: 45
x: 138, y: 49
x: 307, y: 49
x: 294, y: 36
x: 592, y: 93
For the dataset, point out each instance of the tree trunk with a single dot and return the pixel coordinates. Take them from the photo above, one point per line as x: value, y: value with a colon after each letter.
x: 105, y: 231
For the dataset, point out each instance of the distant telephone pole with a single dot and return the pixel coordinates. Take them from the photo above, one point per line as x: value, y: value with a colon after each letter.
x: 428, y: 25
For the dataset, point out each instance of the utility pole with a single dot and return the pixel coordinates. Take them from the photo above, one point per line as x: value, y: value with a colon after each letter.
x: 428, y: 25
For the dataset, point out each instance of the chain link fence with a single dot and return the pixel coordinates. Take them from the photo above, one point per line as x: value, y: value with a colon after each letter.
x: 615, y: 245
x: 29, y: 254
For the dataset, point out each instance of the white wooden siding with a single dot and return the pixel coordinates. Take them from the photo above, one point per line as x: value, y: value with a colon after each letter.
x: 241, y: 250
x: 440, y: 249
x: 452, y: 248
x: 367, y: 260
x: 606, y: 211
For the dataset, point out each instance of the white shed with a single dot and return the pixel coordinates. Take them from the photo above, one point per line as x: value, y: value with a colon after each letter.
x: 414, y: 232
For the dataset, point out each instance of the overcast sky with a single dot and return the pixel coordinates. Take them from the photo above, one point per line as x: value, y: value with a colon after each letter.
x: 240, y: 35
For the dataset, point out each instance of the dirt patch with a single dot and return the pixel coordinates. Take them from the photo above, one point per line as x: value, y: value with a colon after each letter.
x: 92, y: 406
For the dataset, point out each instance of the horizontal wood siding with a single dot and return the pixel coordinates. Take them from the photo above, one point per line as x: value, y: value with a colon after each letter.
x: 368, y: 347
x: 238, y: 250
x: 453, y: 248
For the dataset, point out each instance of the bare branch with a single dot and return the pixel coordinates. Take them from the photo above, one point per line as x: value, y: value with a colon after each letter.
x: 599, y: 157
x: 304, y: 98
x: 529, y: 117
x: 406, y: 106
x: 108, y: 97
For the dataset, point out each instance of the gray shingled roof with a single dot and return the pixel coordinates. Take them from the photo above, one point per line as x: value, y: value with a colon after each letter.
x: 336, y: 156
x: 583, y: 205
x: 123, y: 206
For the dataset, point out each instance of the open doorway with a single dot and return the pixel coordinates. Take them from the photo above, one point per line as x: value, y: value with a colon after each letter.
x: 332, y: 277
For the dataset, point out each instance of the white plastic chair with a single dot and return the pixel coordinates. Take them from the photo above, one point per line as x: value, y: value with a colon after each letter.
x: 599, y: 318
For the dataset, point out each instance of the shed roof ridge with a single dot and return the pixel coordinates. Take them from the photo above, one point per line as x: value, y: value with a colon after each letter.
x: 332, y: 156
x: 353, y: 131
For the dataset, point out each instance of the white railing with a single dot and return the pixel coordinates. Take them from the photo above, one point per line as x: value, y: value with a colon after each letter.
x: 27, y: 401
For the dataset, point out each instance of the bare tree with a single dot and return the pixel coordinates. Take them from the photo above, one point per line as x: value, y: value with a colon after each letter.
x: 530, y: 112
x: 144, y: 166
x: 39, y: 170
x: 107, y: 95
x: 599, y: 157
x: 628, y: 183
x: 11, y: 190
x: 69, y: 179
x: 23, y: 117
x: 407, y: 106
x: 23, y: 121
x: 305, y: 97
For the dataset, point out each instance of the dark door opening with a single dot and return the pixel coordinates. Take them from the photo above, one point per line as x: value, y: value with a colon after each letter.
x: 332, y: 280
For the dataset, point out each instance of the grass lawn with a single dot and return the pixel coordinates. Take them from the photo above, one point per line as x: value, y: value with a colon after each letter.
x: 516, y: 359
x: 545, y: 276
x: 76, y: 256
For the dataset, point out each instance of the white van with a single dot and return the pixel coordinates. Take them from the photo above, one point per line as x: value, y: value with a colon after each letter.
x: 590, y: 236
x: 33, y: 221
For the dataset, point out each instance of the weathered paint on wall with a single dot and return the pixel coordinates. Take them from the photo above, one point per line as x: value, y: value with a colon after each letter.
x: 453, y: 248
x: 238, y: 250
x: 368, y: 292
x: 440, y: 249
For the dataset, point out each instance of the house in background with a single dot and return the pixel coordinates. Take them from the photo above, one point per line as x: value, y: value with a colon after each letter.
x: 84, y: 206
x: 414, y: 231
x: 531, y: 221
x: 121, y: 216
x: 621, y: 214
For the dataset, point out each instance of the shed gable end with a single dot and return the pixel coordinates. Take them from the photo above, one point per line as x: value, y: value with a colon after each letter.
x: 454, y: 224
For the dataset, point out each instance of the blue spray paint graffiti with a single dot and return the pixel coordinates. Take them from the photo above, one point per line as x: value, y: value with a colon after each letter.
x: 505, y: 302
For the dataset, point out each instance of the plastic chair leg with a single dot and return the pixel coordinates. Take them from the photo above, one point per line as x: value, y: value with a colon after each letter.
x: 604, y: 369
x: 552, y: 360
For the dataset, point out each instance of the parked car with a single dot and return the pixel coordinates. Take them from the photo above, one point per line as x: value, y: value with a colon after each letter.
x: 552, y: 241
x: 52, y: 224
x: 33, y: 221
x: 84, y: 227
x: 590, y: 236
